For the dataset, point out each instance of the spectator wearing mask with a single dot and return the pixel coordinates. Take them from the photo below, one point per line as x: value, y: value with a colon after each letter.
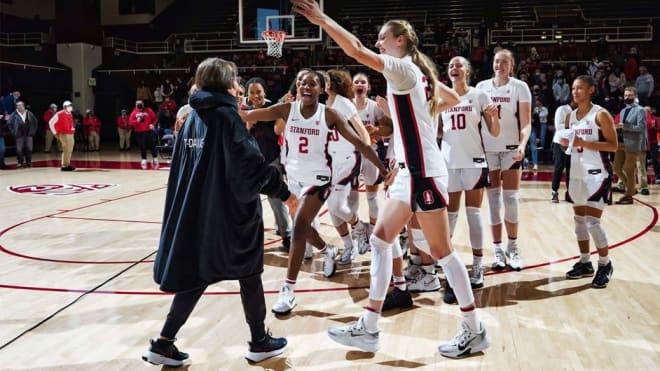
x: 23, y: 125
x: 632, y: 122
x: 48, y: 114
x: 124, y: 130
x: 92, y: 126
x: 62, y: 126
x: 143, y: 120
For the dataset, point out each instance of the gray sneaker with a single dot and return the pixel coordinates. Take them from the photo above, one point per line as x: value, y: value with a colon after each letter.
x: 346, y: 256
x: 477, y: 277
x: 286, y: 301
x: 500, y: 260
x: 361, y: 237
x: 424, y: 282
x: 465, y: 342
x: 329, y: 260
x: 355, y: 334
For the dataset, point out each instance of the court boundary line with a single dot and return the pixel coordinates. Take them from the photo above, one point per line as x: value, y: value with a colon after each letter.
x: 643, y: 231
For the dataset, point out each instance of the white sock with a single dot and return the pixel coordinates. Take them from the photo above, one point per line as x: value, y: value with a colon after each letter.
x: 430, y: 269
x: 584, y: 258
x: 290, y: 284
x: 476, y: 260
x: 603, y: 260
x: 400, y: 283
x: 470, y: 317
x: 415, y: 259
x: 512, y: 244
x: 370, y: 319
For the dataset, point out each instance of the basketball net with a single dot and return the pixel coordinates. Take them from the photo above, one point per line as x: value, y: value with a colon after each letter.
x: 274, y: 40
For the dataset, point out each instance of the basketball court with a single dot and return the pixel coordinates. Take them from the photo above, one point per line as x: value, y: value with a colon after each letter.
x: 76, y: 252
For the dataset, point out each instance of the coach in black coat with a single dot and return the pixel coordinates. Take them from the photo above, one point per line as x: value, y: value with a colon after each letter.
x: 212, y: 225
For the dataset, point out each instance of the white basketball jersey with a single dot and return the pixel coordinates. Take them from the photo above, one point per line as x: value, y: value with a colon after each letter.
x: 370, y: 113
x: 587, y: 163
x: 306, y: 142
x: 461, y: 140
x: 415, y: 131
x: 346, y: 109
x: 507, y: 98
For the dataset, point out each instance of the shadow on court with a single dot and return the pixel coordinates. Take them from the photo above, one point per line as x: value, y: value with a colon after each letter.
x: 510, y: 293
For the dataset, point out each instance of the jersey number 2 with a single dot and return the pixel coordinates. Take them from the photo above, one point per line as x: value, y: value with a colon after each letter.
x: 302, y: 146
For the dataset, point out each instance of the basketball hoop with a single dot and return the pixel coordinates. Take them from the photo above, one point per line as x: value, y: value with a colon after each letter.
x: 274, y: 40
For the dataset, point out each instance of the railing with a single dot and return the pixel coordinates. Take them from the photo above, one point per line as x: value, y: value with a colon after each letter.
x: 35, y: 66
x: 213, y: 46
x: 578, y: 35
x: 144, y: 70
x: 22, y: 39
x: 134, y: 47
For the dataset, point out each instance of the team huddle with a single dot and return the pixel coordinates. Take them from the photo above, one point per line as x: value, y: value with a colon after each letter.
x: 441, y: 143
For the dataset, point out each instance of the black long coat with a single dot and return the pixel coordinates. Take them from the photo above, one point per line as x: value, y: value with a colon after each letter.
x: 212, y: 225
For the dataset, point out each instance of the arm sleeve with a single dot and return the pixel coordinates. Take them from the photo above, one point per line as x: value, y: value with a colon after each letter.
x: 397, y: 71
x: 52, y: 122
x: 251, y: 175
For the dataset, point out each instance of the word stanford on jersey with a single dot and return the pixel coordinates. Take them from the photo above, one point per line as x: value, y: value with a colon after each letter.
x: 304, y: 131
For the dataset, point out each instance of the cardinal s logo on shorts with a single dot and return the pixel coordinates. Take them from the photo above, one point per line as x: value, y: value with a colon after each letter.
x: 428, y: 197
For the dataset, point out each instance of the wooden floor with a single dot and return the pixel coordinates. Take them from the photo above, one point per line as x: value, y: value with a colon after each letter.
x: 76, y: 290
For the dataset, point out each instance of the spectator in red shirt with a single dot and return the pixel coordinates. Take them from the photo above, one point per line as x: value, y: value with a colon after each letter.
x: 124, y: 130
x: 63, y: 129
x: 48, y: 114
x: 143, y: 120
x: 168, y: 104
x: 92, y: 126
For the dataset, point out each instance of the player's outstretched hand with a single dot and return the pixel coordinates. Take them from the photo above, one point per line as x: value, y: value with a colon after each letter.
x: 309, y: 9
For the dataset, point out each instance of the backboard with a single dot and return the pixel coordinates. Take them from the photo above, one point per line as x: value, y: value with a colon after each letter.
x: 254, y: 16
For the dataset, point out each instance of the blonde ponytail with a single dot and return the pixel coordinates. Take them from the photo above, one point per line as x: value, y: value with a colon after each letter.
x: 403, y: 28
x: 428, y: 69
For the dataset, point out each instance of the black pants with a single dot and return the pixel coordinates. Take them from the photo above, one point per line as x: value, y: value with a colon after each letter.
x: 561, y: 161
x: 145, y: 140
x: 252, y: 297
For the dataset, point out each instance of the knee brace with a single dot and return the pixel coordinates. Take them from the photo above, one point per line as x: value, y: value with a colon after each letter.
x: 338, y: 206
x: 381, y: 268
x: 495, y: 205
x: 453, y: 219
x: 581, y: 230
x: 597, y: 232
x: 420, y: 241
x: 336, y: 221
x: 511, y: 206
x: 397, y: 252
x: 354, y: 200
x: 372, y: 201
x: 475, y: 227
